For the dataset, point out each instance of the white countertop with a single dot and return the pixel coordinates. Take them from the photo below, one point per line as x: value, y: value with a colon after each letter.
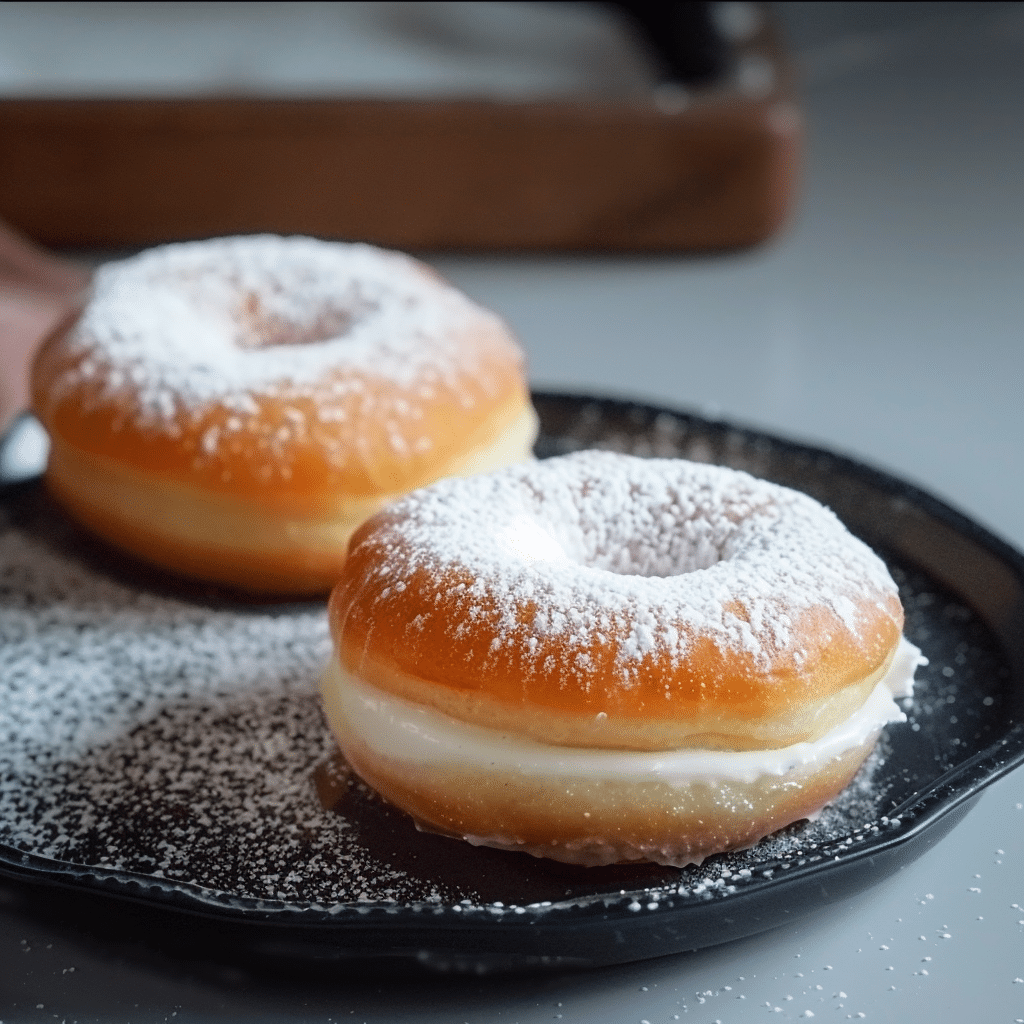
x: 885, y: 323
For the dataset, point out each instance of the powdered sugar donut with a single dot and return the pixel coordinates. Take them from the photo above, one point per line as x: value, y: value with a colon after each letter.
x: 232, y: 409
x: 600, y: 658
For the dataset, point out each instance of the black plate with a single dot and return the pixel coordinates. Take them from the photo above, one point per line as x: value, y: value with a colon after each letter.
x: 456, y: 907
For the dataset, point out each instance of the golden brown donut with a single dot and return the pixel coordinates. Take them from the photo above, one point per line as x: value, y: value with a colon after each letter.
x: 232, y: 409
x: 600, y: 658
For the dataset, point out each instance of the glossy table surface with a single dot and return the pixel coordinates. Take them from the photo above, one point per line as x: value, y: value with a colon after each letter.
x: 885, y: 323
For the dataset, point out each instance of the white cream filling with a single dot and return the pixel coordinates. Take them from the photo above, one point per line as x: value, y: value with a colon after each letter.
x: 402, y: 731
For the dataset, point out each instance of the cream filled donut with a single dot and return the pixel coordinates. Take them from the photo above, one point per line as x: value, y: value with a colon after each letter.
x: 233, y: 409
x: 600, y: 658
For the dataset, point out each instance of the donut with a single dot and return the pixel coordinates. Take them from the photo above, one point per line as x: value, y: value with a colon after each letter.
x: 232, y: 409
x: 599, y: 658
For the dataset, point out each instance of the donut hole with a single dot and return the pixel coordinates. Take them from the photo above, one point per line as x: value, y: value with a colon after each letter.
x: 661, y: 554
x: 259, y: 325
x: 630, y: 531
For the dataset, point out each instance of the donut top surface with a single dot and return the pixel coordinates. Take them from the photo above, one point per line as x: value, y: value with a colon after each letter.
x: 241, y: 359
x: 606, y: 585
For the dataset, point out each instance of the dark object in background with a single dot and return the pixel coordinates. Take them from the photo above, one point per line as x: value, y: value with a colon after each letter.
x: 683, y: 37
x: 682, y: 169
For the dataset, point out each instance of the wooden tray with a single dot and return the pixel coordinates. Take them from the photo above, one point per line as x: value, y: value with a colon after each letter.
x: 714, y: 168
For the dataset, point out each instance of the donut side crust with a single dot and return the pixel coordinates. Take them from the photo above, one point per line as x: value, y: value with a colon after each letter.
x: 283, y: 544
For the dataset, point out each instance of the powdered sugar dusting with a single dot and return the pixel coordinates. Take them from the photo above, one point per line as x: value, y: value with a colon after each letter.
x: 337, y: 333
x: 595, y: 545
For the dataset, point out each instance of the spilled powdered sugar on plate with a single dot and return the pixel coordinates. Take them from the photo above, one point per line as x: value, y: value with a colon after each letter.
x: 150, y: 735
